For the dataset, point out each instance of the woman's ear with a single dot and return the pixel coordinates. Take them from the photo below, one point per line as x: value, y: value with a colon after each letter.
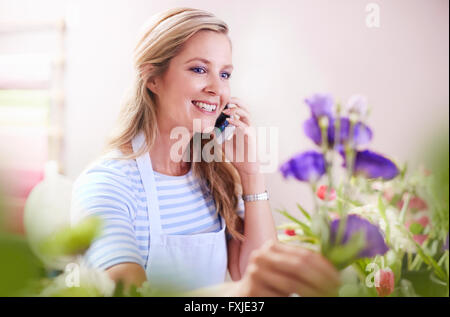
x: 145, y: 72
x: 152, y: 86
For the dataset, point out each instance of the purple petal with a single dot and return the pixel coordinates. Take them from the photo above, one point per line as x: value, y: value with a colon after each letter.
x: 306, y: 167
x: 372, y: 165
x: 362, y: 134
x: 321, y: 105
x: 375, y: 244
x: 312, y: 130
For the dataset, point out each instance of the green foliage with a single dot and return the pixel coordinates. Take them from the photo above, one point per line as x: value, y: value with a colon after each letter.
x: 416, y: 228
x: 342, y: 255
x: 18, y: 267
x: 72, y: 240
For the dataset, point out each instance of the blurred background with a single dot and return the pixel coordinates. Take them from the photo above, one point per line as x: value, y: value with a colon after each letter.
x: 65, y: 67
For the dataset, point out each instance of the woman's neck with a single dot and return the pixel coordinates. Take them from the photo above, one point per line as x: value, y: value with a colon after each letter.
x: 160, y: 154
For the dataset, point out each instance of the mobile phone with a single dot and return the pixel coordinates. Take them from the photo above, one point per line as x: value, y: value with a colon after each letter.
x: 224, y: 130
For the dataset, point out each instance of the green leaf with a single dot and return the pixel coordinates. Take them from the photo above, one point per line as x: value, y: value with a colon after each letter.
x: 321, y: 229
x: 304, y: 212
x: 344, y: 255
x: 306, y: 229
x: 416, y: 228
x: 382, y: 209
x: 119, y: 290
x: 72, y: 240
x: 394, y: 201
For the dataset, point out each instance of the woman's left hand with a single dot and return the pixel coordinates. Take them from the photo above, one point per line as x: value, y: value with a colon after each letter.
x: 244, y: 144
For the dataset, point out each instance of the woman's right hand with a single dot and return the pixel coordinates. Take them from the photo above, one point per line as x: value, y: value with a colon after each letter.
x: 278, y: 269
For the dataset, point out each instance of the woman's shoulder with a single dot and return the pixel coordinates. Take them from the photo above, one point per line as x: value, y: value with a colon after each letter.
x: 110, y: 166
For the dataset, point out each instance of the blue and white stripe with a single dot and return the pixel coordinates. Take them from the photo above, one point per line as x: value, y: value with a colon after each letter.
x: 112, y: 189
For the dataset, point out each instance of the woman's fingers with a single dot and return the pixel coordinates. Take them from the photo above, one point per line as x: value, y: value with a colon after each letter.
x: 299, y: 267
x: 314, y: 269
x: 238, y: 114
x: 238, y: 123
x: 239, y: 102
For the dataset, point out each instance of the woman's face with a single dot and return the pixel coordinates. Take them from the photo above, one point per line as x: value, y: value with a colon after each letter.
x: 199, y: 73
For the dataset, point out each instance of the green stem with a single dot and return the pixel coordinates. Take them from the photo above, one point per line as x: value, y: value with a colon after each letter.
x: 313, y: 187
x: 360, y: 272
x: 404, y: 208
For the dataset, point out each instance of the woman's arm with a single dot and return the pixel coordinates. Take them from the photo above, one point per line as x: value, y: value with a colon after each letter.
x: 259, y: 225
x: 129, y: 273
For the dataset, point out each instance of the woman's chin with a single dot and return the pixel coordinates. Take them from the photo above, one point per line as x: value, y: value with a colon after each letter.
x: 203, y: 125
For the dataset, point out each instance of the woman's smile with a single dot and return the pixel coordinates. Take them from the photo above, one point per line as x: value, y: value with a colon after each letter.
x: 206, y: 108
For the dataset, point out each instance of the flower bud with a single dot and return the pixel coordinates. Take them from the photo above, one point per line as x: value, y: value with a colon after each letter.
x: 384, y: 282
x: 322, y: 192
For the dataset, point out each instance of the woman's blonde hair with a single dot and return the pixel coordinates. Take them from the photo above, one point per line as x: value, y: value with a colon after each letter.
x: 162, y: 39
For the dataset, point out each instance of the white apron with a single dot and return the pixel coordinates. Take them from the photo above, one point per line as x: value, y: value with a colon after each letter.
x: 179, y: 262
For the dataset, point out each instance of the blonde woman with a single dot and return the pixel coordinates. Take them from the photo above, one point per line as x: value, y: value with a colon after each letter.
x: 184, y: 223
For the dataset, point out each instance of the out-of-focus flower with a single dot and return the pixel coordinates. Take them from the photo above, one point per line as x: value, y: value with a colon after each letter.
x: 398, y: 238
x: 415, y: 204
x: 289, y: 232
x: 384, y: 282
x: 306, y: 167
x: 362, y: 134
x: 357, y: 104
x: 321, y: 105
x: 445, y: 247
x: 416, y: 227
x: 374, y: 241
x: 373, y: 165
x: 322, y: 191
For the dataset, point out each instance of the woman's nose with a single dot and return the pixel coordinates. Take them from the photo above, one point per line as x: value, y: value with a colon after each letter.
x: 215, y: 86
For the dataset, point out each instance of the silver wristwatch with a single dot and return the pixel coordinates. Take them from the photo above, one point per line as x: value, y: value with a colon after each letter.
x: 255, y: 197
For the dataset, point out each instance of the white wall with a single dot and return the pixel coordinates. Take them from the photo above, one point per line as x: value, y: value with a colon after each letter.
x: 282, y: 51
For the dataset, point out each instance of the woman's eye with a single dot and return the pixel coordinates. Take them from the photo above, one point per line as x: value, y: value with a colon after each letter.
x: 195, y: 69
x: 201, y: 70
x: 228, y: 75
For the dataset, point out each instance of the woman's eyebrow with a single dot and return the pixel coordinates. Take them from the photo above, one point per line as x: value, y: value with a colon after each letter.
x: 206, y: 61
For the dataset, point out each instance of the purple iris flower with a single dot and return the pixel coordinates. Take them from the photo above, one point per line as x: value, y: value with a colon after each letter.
x: 321, y: 105
x: 362, y: 134
x: 306, y: 167
x: 375, y: 244
x: 373, y: 165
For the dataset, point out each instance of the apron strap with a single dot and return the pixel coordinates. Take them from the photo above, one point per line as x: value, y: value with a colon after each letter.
x: 148, y: 180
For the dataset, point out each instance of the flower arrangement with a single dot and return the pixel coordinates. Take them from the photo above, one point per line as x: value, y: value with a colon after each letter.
x: 385, y: 228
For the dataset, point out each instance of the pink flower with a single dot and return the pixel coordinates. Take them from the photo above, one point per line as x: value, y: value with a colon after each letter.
x: 290, y: 232
x: 415, y: 204
x: 322, y: 192
x: 384, y: 282
x: 423, y: 221
x: 388, y: 194
x: 420, y: 238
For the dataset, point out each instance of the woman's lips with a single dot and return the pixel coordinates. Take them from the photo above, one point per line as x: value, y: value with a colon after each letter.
x: 204, y: 111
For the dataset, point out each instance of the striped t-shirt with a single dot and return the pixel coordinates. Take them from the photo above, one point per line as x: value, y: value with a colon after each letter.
x: 112, y: 189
